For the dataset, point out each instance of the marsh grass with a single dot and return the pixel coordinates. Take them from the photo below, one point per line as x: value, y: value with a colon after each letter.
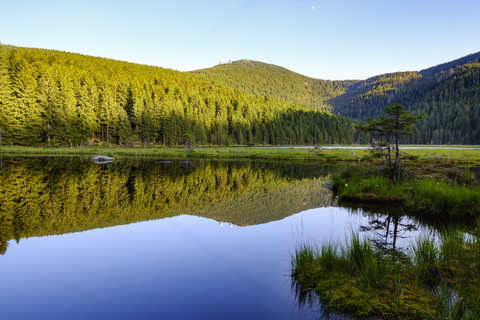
x: 439, y: 279
x: 460, y: 155
x: 452, y: 245
x: 357, y: 280
x: 425, y: 260
x: 448, y: 304
x: 328, y: 256
x: 439, y: 196
x: 197, y: 152
x: 304, y: 255
x: 359, y: 253
x: 441, y: 156
x: 362, y: 257
x: 427, y: 197
x: 304, y: 267
x: 378, y: 185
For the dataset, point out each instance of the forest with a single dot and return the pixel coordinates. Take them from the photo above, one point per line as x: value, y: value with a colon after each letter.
x: 448, y: 95
x: 54, y: 98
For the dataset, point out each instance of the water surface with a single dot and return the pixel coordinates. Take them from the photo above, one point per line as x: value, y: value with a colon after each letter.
x: 169, y: 240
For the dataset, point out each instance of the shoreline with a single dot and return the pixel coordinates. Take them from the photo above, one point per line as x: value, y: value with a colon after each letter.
x: 441, y: 154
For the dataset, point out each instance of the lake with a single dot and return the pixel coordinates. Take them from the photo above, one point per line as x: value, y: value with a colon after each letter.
x: 168, y: 239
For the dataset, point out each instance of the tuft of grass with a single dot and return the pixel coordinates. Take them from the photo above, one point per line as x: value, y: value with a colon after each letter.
x: 426, y: 197
x: 451, y: 246
x: 448, y: 304
x: 370, y: 188
x: 362, y: 257
x: 304, y: 256
x: 359, y: 252
x: 328, y: 256
x: 361, y: 282
x: 438, y: 280
x: 304, y: 268
x: 425, y: 259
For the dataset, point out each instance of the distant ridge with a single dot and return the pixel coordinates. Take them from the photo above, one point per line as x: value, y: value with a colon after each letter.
x: 448, y: 94
x: 471, y: 58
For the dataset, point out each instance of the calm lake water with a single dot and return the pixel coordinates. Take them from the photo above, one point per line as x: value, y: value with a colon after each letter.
x: 167, y: 239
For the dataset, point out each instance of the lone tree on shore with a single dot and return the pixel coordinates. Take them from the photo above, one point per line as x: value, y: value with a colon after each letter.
x: 386, y: 131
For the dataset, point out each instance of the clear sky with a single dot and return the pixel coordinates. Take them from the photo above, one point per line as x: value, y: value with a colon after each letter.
x: 325, y: 39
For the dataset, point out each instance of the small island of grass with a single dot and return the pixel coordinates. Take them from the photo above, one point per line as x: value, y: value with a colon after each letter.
x: 432, y: 281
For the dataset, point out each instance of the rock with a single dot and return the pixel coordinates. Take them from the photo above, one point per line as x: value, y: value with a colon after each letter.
x: 102, y: 159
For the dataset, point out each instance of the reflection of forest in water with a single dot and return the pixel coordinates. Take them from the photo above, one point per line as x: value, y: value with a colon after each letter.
x: 45, y: 196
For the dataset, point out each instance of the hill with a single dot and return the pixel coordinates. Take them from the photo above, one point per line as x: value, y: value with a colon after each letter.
x: 448, y: 95
x: 63, y: 99
x: 269, y: 80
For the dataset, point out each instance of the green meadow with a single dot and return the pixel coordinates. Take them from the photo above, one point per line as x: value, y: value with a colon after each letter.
x: 455, y: 156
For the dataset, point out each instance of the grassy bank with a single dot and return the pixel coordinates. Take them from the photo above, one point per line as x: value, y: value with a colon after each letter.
x: 465, y: 156
x: 436, y: 192
x: 461, y: 155
x: 199, y: 152
x: 433, y: 281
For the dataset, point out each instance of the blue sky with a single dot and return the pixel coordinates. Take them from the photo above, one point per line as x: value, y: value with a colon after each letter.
x: 325, y: 39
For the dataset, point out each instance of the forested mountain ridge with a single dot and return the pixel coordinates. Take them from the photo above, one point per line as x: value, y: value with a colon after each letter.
x: 269, y: 80
x: 448, y: 95
x: 57, y: 98
x: 368, y: 98
x: 447, y: 66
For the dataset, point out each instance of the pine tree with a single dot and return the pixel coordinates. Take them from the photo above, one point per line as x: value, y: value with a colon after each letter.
x: 389, y: 130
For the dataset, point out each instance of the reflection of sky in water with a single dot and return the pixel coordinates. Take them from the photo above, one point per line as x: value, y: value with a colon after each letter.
x: 176, y: 268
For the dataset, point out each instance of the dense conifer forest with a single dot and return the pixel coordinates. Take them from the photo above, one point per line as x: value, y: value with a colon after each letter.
x: 448, y: 95
x: 62, y: 99
x: 54, y: 98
